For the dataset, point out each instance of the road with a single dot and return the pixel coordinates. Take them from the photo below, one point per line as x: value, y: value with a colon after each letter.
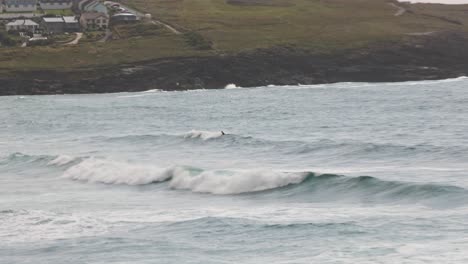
x: 400, y: 10
x: 79, y: 35
x: 173, y: 30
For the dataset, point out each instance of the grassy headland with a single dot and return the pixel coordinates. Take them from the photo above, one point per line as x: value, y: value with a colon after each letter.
x: 241, y: 25
x: 213, y: 28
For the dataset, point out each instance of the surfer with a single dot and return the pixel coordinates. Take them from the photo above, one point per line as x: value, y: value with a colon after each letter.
x: 222, y: 133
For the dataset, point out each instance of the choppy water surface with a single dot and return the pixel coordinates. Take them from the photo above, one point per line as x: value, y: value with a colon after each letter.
x: 341, y: 173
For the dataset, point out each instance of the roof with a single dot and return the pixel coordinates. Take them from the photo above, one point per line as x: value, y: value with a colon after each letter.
x: 70, y: 19
x: 20, y: 2
x: 124, y: 14
x: 93, y: 15
x: 55, y: 1
x: 22, y: 22
x: 53, y: 19
x: 95, y: 6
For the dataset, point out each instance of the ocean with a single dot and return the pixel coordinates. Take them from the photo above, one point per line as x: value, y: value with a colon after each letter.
x: 333, y: 173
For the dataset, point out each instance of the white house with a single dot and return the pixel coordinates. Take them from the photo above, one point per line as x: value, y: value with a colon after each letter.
x: 94, y: 20
x: 22, y: 25
x: 20, y: 5
x: 55, y: 4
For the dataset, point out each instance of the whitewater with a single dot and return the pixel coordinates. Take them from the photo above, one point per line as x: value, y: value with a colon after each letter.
x: 333, y: 173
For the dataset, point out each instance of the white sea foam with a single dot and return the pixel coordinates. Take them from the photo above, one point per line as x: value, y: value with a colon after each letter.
x: 359, y: 85
x: 232, y: 86
x: 112, y: 172
x: 61, y: 160
x: 152, y: 91
x: 20, y: 226
x: 205, y: 135
x: 215, y: 182
x: 234, y: 182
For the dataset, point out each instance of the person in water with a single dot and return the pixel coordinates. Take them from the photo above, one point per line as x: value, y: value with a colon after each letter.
x: 222, y: 133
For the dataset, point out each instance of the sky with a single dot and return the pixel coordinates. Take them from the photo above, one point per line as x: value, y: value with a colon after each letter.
x: 438, y: 1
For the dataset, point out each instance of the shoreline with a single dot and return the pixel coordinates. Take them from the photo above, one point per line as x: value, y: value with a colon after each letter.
x: 431, y: 57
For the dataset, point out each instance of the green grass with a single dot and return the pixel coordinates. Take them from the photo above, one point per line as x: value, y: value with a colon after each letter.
x: 61, y: 12
x: 312, y: 24
x: 93, y: 54
x: 319, y: 26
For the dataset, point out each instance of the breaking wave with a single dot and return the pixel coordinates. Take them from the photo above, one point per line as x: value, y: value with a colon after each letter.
x: 112, y: 172
x: 303, y: 186
x: 232, y: 86
x: 182, y: 178
x: 22, y: 159
x: 269, y: 184
x: 204, y: 135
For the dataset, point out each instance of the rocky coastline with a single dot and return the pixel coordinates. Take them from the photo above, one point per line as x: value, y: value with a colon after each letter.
x: 435, y: 56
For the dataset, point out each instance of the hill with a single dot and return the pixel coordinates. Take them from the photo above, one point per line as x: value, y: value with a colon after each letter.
x: 237, y: 33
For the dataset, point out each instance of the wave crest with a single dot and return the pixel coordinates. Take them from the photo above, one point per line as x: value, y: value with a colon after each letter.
x: 204, y: 135
x: 111, y: 172
x: 62, y: 160
x: 234, y: 182
x: 182, y: 178
x: 303, y: 186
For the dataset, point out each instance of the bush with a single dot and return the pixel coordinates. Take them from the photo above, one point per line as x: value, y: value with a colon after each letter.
x: 6, y: 40
x: 197, y: 41
x: 146, y: 29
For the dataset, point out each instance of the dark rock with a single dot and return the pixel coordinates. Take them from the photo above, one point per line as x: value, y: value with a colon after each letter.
x: 436, y: 56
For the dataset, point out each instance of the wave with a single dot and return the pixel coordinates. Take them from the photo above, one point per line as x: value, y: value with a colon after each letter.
x: 204, y: 135
x: 182, y: 178
x: 232, y: 86
x: 112, y: 172
x: 350, y: 85
x: 331, y: 187
x: 62, y: 160
x: 302, y: 186
x: 298, y: 185
x: 21, y: 162
x: 246, y: 223
x: 20, y: 158
x: 292, y: 147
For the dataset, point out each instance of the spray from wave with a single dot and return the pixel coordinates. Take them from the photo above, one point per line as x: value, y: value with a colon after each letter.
x: 232, y: 86
x: 62, y: 160
x: 302, y: 186
x: 112, y: 172
x: 183, y: 178
x: 204, y: 135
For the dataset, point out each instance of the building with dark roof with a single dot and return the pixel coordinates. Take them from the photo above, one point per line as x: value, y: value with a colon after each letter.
x: 57, y: 25
x: 55, y: 4
x: 124, y: 17
x: 20, y: 5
